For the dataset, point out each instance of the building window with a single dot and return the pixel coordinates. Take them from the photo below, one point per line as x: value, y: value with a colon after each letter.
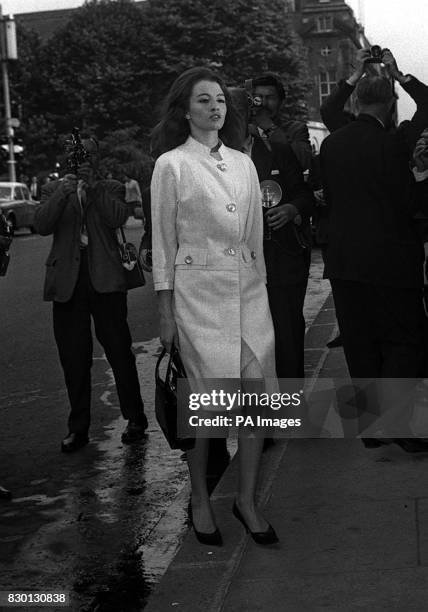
x: 325, y: 23
x: 327, y: 83
x: 290, y: 6
x: 326, y: 51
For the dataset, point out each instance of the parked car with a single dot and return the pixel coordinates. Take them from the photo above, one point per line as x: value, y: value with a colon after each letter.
x: 17, y: 205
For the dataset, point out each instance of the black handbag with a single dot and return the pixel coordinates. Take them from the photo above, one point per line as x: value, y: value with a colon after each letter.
x: 166, y: 402
x: 131, y: 262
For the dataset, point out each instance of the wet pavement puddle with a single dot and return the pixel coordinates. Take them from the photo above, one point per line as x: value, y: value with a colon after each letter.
x: 92, y: 542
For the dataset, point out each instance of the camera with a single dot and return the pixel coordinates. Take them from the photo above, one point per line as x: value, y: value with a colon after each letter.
x: 376, y: 55
x: 254, y: 101
x: 76, y: 152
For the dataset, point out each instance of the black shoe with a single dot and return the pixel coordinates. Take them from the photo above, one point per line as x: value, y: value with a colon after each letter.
x: 375, y: 442
x: 412, y: 445
x: 211, y: 539
x: 260, y: 537
x: 5, y: 494
x: 135, y: 431
x: 73, y: 442
x: 335, y: 342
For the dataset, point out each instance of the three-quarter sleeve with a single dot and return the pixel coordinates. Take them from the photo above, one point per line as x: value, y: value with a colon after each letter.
x: 255, y: 239
x: 164, y: 200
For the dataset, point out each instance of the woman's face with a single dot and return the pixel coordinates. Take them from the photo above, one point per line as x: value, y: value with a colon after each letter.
x: 207, y: 107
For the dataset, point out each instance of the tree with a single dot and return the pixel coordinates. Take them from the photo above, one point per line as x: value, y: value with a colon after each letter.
x: 238, y: 38
x: 91, y: 63
x: 121, y: 153
x: 110, y: 67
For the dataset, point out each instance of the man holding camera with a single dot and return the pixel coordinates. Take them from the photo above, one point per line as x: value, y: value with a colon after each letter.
x: 268, y: 91
x: 333, y: 111
x: 84, y: 279
x: 374, y: 256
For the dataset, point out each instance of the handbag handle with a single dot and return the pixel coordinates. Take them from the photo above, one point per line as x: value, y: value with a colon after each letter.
x: 174, y: 359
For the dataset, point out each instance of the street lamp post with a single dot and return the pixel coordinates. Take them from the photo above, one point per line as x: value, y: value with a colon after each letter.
x: 8, y: 52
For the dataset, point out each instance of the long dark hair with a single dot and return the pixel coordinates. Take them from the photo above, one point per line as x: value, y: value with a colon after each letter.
x: 173, y: 128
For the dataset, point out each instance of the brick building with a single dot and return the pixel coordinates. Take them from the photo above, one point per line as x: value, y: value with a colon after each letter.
x: 331, y: 36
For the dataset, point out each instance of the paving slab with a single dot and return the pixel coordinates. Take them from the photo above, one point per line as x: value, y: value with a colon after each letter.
x: 360, y: 591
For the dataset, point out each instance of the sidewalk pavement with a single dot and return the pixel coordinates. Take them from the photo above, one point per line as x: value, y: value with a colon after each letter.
x: 352, y: 524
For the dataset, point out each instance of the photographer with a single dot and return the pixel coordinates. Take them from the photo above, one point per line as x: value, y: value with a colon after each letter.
x: 84, y: 280
x: 335, y: 116
x: 265, y: 120
x: 373, y: 261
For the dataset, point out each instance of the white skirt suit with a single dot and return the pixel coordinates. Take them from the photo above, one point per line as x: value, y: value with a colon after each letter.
x: 207, y: 230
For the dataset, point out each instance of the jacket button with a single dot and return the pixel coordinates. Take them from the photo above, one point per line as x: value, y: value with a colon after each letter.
x: 253, y: 254
x: 231, y: 207
x: 188, y: 259
x: 230, y: 251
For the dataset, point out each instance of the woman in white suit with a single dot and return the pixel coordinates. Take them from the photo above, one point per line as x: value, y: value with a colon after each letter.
x: 208, y: 269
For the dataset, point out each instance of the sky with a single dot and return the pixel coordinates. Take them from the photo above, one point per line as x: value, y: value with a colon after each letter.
x: 399, y: 25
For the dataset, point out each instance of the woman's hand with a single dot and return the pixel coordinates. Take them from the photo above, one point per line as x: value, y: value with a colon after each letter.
x: 168, y: 333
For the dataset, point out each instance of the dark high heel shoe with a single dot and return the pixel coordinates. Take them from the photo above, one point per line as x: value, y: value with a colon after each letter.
x: 260, y: 537
x: 211, y: 539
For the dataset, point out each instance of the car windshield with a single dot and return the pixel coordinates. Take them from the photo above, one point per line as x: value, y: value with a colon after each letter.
x: 5, y: 193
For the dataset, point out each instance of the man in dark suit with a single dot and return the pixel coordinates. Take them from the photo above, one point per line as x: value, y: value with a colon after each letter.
x: 84, y: 279
x: 374, y: 256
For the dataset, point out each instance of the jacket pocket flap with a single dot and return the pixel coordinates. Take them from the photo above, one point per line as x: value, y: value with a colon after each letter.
x: 189, y: 256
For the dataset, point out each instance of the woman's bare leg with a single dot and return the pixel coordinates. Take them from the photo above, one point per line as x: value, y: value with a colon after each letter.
x: 203, y: 517
x: 249, y: 453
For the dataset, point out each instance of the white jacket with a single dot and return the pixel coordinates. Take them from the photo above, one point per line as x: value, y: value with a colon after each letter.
x: 207, y: 229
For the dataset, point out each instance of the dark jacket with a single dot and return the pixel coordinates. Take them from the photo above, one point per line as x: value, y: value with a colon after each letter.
x: 62, y: 216
x: 369, y: 191
x: 296, y: 134
x: 286, y: 262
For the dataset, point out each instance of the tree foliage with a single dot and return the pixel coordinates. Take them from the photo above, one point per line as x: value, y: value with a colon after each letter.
x: 238, y: 38
x: 109, y: 68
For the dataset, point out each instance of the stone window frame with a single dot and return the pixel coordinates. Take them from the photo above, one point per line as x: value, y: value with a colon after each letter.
x: 327, y: 81
x: 324, y: 23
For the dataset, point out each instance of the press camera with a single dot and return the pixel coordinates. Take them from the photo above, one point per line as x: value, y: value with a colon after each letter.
x: 376, y: 55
